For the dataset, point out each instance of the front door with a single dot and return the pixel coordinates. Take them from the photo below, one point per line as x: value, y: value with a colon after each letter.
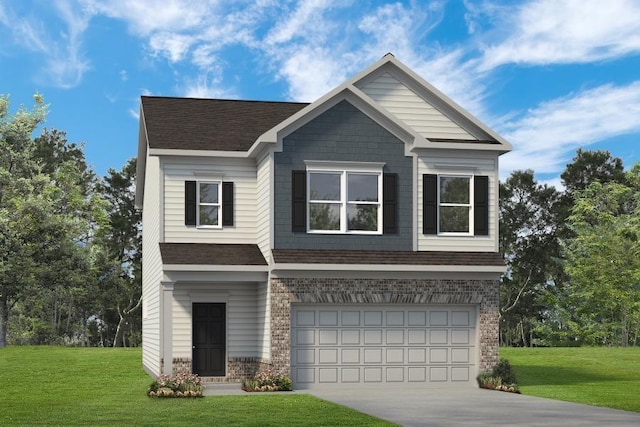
x: 209, y: 339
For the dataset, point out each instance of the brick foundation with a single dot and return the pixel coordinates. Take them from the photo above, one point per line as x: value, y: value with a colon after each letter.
x: 285, y: 291
x: 238, y: 368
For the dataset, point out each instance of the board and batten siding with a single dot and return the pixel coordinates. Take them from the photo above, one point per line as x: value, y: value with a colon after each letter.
x: 244, y: 318
x: 462, y: 163
x: 151, y: 268
x: 241, y: 172
x: 263, y: 206
x: 412, y: 109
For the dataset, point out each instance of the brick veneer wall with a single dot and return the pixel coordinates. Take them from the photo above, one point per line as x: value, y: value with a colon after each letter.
x: 238, y: 368
x: 285, y: 291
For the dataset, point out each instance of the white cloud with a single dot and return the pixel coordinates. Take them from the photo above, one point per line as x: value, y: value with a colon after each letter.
x: 171, y: 45
x: 206, y: 85
x: 547, y: 136
x: 568, y: 31
x: 146, y: 17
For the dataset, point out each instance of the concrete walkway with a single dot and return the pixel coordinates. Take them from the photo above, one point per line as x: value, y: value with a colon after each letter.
x: 473, y: 407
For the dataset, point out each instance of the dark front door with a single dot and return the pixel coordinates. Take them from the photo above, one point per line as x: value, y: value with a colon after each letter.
x: 209, y: 339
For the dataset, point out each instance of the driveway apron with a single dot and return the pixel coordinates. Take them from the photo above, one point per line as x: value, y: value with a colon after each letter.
x: 473, y: 407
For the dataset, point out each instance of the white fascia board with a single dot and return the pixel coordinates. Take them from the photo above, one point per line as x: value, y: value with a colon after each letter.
x: 480, y: 146
x: 214, y: 276
x: 391, y: 267
x: 326, y: 274
x: 209, y: 267
x: 197, y: 153
x: 141, y: 165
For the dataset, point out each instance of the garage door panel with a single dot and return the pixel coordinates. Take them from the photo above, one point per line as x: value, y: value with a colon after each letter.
x: 460, y: 336
x: 373, y: 336
x: 395, y: 355
x: 395, y: 336
x: 350, y: 336
x: 438, y: 336
x: 329, y: 318
x: 395, y: 318
x: 328, y: 337
x: 439, y: 318
x: 373, y: 318
x: 377, y: 345
x: 305, y: 337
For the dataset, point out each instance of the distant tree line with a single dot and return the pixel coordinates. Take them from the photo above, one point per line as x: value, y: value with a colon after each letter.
x: 70, y: 247
x: 573, y: 255
x: 69, y: 240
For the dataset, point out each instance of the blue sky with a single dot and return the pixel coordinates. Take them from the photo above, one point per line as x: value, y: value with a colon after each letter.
x: 550, y: 76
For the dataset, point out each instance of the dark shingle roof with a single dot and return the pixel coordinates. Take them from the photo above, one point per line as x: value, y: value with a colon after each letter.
x: 326, y: 256
x: 211, y: 124
x: 211, y: 254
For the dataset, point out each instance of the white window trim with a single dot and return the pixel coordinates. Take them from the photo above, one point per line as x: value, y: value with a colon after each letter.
x: 345, y: 168
x: 219, y: 204
x: 470, y: 204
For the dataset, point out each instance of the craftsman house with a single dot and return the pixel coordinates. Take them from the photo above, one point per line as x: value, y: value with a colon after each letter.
x: 350, y: 241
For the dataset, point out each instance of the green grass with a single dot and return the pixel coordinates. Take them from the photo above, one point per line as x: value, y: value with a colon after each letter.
x: 91, y: 386
x: 597, y: 376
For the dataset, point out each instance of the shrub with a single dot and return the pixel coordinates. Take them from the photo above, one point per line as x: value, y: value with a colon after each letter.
x: 501, y: 378
x: 176, y: 385
x: 268, y: 380
x: 503, y: 370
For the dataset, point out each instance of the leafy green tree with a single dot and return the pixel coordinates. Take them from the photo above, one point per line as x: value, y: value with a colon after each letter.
x: 528, y: 241
x: 46, y: 218
x: 603, y: 260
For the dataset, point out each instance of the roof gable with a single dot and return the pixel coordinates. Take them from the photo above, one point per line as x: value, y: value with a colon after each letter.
x: 448, y: 125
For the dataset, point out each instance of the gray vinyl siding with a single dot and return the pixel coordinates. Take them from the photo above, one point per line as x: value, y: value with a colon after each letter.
x: 241, y: 172
x: 263, y: 206
x: 151, y: 269
x: 343, y: 133
x: 460, y: 162
x: 413, y: 109
x: 244, y: 318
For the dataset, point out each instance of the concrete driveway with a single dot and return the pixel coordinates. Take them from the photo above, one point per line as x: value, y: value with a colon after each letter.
x: 473, y: 407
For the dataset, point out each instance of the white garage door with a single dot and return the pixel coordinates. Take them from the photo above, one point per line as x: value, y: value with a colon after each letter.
x: 382, y: 345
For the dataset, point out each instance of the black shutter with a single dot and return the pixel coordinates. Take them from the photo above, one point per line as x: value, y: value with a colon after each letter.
x: 190, y: 203
x: 429, y: 204
x: 298, y: 201
x: 390, y: 203
x: 481, y: 205
x: 227, y: 203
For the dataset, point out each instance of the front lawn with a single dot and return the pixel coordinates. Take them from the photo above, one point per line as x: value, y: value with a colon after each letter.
x: 93, y: 386
x: 597, y: 376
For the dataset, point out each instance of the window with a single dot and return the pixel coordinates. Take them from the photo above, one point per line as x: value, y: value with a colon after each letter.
x: 343, y: 201
x: 454, y: 207
x: 455, y: 204
x: 209, y: 204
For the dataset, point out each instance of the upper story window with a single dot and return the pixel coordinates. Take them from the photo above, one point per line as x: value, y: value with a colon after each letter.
x: 455, y: 204
x: 209, y: 204
x: 344, y: 198
x: 345, y: 201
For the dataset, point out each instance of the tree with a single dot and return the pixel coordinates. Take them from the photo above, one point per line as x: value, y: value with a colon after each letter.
x: 121, y: 262
x: 528, y: 241
x: 603, y: 260
x: 45, y: 215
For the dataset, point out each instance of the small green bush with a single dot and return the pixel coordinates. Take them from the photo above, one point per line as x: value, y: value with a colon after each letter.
x: 503, y: 370
x: 501, y: 378
x: 177, y: 385
x: 268, y: 380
